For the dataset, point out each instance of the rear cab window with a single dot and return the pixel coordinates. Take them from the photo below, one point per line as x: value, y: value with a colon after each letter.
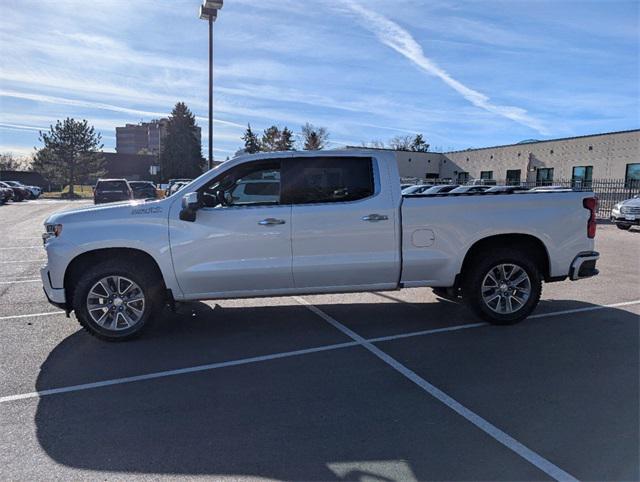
x: 112, y: 186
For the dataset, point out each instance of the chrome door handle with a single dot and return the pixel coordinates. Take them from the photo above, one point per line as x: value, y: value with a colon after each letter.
x: 270, y: 221
x: 375, y: 217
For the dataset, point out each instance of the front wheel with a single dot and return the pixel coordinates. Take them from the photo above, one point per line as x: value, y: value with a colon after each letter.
x: 502, y: 288
x: 625, y: 227
x: 114, y: 302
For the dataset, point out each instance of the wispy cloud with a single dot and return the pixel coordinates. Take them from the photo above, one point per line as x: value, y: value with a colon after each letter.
x: 394, y: 36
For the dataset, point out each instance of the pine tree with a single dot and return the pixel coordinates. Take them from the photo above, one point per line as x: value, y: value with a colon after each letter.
x: 71, y: 153
x: 270, y: 138
x: 315, y: 138
x: 286, y: 141
x: 251, y: 141
x: 418, y: 144
x: 181, y: 155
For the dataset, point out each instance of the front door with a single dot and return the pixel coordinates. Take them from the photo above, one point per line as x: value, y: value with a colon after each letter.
x: 240, y: 247
x: 343, y: 225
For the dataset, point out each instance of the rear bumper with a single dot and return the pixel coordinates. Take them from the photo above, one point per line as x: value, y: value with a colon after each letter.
x: 55, y: 296
x: 584, y: 265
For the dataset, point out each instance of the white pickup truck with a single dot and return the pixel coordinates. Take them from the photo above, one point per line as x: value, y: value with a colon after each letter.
x: 312, y: 222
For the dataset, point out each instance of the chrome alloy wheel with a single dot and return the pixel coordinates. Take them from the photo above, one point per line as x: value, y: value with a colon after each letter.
x: 115, y: 303
x: 506, y: 288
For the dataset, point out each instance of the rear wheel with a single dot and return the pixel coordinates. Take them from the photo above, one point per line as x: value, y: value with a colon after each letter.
x: 502, y: 288
x: 115, y: 301
x: 626, y: 227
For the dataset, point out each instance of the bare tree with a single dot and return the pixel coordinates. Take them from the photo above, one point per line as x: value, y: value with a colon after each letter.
x: 10, y: 162
x: 401, y: 143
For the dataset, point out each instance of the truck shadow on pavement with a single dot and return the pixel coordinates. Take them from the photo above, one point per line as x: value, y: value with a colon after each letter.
x: 340, y: 414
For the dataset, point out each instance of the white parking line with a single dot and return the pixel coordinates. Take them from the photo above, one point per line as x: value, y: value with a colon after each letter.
x: 24, y: 261
x: 22, y: 247
x: 32, y: 314
x: 505, y: 439
x: 201, y: 368
x: 588, y: 308
x: 19, y: 281
x: 179, y: 371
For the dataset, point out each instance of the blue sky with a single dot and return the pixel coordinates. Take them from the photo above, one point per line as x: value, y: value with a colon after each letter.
x: 465, y: 74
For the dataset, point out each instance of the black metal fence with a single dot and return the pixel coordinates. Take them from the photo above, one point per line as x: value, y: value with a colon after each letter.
x: 608, y: 191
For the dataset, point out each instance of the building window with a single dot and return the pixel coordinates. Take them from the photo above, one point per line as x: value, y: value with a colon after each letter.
x: 463, y: 177
x: 513, y: 177
x: 582, y: 175
x: 544, y: 176
x: 486, y: 174
x: 632, y: 175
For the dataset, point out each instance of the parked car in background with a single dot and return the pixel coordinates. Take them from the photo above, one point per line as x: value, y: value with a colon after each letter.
x: 405, y: 186
x: 5, y: 194
x: 627, y: 213
x: 143, y: 189
x: 468, y: 189
x: 176, y: 186
x: 170, y: 189
x: 415, y: 189
x: 111, y: 190
x: 482, y: 182
x: 19, y: 193
x: 440, y: 189
x: 34, y: 191
x: 550, y: 188
x: 321, y: 223
x: 507, y: 189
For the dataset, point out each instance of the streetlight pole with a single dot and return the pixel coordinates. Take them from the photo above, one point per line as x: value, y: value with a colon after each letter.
x: 209, y: 11
x: 210, y: 163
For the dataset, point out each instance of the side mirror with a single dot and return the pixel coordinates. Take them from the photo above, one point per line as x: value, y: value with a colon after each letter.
x: 190, y: 204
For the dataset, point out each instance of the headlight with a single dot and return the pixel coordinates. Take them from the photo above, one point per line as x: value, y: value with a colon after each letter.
x: 617, y: 206
x: 53, y: 231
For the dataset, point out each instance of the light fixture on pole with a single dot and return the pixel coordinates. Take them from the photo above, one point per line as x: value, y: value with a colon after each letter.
x: 209, y: 11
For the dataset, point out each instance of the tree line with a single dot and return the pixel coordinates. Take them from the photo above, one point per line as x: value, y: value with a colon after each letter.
x: 275, y: 139
x: 71, y: 149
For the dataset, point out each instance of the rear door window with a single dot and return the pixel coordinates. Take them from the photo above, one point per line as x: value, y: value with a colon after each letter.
x: 309, y: 180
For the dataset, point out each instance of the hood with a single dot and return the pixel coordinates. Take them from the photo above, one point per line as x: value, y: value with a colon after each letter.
x: 114, y: 211
x: 634, y: 202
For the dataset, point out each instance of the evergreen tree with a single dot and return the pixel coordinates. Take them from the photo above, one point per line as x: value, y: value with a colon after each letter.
x: 418, y: 144
x: 286, y: 141
x: 315, y: 138
x: 251, y: 141
x: 270, y: 139
x: 71, y: 153
x: 181, y: 155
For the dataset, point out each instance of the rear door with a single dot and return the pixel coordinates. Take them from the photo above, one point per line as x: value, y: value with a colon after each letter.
x: 343, y: 223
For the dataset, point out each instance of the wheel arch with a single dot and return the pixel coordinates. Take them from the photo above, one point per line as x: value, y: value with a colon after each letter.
x: 527, y: 243
x: 88, y: 258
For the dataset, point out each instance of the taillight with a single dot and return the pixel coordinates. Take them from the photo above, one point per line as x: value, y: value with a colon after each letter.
x: 591, y: 203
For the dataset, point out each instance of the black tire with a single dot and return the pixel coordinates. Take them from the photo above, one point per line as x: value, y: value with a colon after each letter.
x: 145, y: 277
x: 625, y: 227
x: 479, y: 268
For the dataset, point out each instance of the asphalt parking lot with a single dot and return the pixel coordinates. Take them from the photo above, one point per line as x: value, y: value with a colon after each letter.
x: 372, y: 386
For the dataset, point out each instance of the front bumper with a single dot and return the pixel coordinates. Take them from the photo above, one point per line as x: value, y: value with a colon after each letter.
x: 629, y: 220
x: 584, y: 265
x: 55, y: 296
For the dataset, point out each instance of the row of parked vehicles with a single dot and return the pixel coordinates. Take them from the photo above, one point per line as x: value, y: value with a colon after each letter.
x: 624, y: 214
x: 114, y: 190
x: 408, y: 189
x: 16, y: 191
